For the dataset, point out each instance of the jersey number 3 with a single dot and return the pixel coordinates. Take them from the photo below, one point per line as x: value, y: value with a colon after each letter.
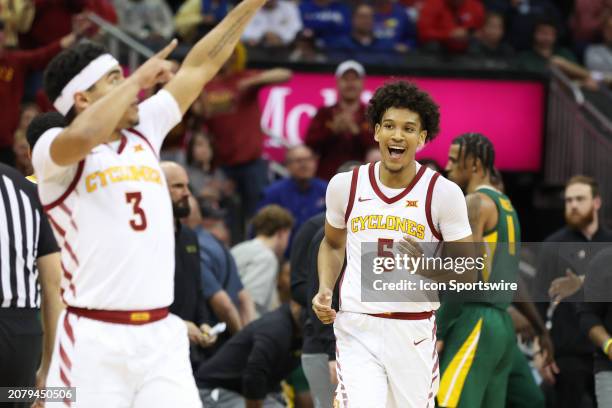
x: 139, y: 221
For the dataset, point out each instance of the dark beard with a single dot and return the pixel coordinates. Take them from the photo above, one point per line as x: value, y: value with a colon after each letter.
x: 180, y: 210
x: 578, y: 222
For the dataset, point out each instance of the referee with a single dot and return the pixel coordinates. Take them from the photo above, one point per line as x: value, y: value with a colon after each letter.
x: 29, y: 261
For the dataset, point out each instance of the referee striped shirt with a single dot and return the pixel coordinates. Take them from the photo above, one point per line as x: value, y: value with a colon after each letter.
x: 25, y: 235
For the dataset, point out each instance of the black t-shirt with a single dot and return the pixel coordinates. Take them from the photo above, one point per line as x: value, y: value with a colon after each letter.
x: 299, y: 258
x: 189, y: 303
x: 255, y: 360
x: 554, y: 260
x: 597, y: 308
x: 318, y: 337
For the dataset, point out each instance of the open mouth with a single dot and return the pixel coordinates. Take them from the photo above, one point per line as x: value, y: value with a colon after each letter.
x: 396, y: 152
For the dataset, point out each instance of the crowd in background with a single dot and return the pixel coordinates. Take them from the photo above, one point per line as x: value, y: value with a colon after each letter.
x: 245, y: 222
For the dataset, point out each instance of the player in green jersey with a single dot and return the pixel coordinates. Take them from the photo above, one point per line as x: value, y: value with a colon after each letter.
x: 477, y: 338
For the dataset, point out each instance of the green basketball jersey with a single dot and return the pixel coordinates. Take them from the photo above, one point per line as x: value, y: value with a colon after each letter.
x: 502, y: 246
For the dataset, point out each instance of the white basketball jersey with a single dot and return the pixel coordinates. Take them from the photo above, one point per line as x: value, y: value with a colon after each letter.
x: 380, y: 220
x: 113, y: 219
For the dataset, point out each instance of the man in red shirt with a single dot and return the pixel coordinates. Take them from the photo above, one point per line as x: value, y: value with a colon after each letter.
x: 14, y: 65
x: 450, y: 23
x: 340, y: 133
x: 232, y: 116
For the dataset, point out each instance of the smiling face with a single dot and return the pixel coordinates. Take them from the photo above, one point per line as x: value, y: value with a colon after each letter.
x: 112, y: 79
x: 399, y: 134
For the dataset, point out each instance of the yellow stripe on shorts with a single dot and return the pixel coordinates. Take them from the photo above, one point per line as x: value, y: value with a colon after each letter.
x: 453, y: 378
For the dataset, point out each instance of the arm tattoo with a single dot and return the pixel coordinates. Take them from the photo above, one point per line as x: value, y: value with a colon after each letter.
x: 473, y: 205
x: 230, y: 35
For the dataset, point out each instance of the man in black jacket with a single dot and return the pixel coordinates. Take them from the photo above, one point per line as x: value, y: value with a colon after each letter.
x: 560, y: 275
x: 596, y: 321
x: 189, y: 303
x: 247, y: 370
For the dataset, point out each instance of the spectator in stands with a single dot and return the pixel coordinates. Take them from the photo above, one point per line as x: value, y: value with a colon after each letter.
x: 14, y: 65
x: 195, y: 18
x: 545, y: 52
x: 340, y: 133
x: 302, y: 193
x: 391, y: 22
x: 318, y: 350
x: 305, y: 48
x: 221, y: 284
x: 599, y: 57
x: 199, y: 165
x: 587, y: 20
x: 521, y: 16
x: 373, y: 155
x: 275, y: 25
x: 148, y: 20
x: 329, y: 19
x: 596, y: 321
x: 252, y: 364
x: 21, y: 147
x: 17, y: 17
x: 55, y: 19
x: 233, y: 117
x: 449, y: 23
x: 189, y: 303
x: 361, y: 44
x: 560, y: 276
x: 258, y: 259
x: 489, y: 40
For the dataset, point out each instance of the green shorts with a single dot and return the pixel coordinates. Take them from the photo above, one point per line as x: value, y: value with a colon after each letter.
x: 476, y: 361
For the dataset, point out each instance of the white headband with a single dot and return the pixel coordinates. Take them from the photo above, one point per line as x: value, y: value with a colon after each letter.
x: 83, y: 81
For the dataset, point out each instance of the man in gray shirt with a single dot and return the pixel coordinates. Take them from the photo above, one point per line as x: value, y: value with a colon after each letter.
x: 258, y: 258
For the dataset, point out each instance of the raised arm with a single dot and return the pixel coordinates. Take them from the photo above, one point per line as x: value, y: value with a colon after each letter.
x: 98, y: 121
x: 210, y: 53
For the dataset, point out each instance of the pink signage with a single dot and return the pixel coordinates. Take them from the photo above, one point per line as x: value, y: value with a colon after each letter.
x: 509, y: 112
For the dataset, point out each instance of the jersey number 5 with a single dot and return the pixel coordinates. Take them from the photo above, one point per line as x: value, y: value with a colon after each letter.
x: 139, y: 222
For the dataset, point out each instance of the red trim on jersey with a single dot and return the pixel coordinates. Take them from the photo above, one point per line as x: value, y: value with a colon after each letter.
x: 122, y: 144
x: 391, y: 200
x: 143, y: 137
x: 68, y: 277
x: 71, y: 252
x: 64, y: 378
x: 344, y: 402
x: 430, y: 188
x: 403, y: 315
x: 70, y: 188
x: 132, y: 317
x: 351, y: 200
x: 55, y: 225
x: 64, y: 356
x: 342, y: 273
x: 68, y: 328
x: 65, y: 209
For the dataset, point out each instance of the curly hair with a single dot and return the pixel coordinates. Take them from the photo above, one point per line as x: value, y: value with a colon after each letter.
x: 479, y: 147
x: 67, y: 64
x: 405, y: 95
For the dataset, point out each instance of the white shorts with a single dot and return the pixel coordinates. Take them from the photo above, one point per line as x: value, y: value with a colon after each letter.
x: 384, y: 363
x: 119, y: 365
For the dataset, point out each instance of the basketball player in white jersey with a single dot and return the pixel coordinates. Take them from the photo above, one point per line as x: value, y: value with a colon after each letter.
x: 106, y: 197
x: 386, y: 354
